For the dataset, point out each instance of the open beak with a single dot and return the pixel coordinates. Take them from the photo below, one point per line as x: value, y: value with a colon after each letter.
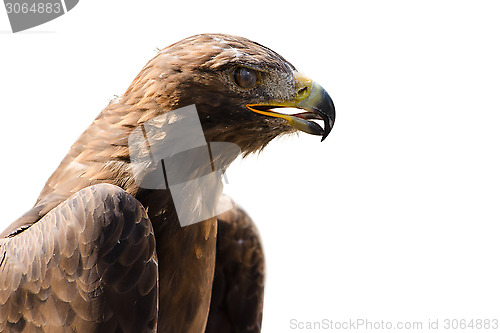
x: 311, y: 98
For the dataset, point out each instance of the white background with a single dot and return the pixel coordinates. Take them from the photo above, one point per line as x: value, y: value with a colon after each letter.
x: 394, y: 217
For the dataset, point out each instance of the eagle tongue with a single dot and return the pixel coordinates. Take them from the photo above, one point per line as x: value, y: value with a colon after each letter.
x: 307, y: 115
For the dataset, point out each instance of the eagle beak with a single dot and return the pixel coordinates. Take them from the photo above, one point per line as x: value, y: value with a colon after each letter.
x: 310, y: 97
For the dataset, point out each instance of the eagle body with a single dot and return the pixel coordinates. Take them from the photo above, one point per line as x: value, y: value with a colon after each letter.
x: 100, y: 253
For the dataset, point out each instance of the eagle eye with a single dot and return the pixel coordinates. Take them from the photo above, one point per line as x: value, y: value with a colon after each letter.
x: 245, y: 77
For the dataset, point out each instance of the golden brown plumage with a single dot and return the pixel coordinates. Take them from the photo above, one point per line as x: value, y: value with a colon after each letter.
x: 99, y: 253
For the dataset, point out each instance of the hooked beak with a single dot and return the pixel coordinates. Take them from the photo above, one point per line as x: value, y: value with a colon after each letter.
x: 310, y: 97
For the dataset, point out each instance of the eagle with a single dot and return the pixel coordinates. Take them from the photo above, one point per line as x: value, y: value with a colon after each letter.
x: 98, y: 252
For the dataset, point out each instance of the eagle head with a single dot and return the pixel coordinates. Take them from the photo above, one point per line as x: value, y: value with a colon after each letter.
x: 242, y: 91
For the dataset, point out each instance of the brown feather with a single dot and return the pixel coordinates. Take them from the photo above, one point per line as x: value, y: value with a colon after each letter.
x: 85, y: 258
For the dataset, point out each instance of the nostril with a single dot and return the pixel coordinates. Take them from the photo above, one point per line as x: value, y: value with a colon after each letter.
x: 302, y: 92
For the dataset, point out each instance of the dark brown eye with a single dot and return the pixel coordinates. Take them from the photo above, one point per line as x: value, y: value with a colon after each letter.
x: 245, y: 77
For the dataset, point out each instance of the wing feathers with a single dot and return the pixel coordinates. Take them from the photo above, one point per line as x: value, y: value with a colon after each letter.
x: 238, y: 289
x: 88, y: 265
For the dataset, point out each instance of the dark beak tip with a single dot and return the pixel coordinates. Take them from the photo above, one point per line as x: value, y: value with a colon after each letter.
x: 328, y: 119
